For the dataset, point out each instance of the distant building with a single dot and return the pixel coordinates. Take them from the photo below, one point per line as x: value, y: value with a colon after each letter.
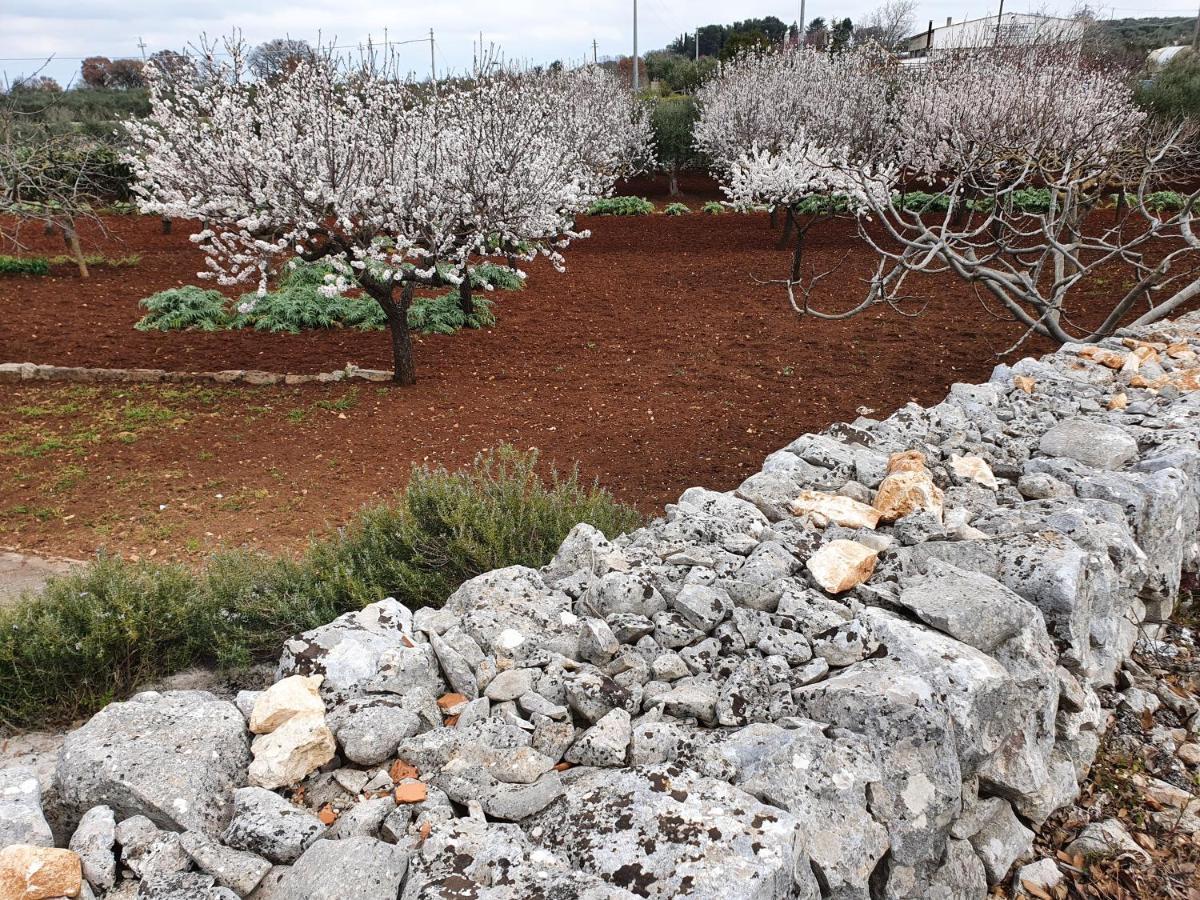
x: 1004, y: 30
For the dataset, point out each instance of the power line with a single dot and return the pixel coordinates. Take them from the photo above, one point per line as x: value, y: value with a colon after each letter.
x: 116, y: 56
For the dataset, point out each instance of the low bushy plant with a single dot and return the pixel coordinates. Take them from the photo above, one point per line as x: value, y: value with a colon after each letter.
x: 185, y: 307
x: 24, y: 265
x: 94, y: 636
x: 621, y: 206
x: 502, y: 278
x: 676, y: 209
x: 444, y: 315
x: 713, y: 208
x: 1165, y: 201
x: 919, y: 201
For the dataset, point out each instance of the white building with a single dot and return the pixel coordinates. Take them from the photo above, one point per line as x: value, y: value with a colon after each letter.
x: 1006, y: 29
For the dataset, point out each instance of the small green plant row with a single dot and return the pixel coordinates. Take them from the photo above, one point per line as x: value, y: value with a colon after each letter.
x: 95, y: 636
x: 294, y: 310
x: 639, y: 206
x: 298, y: 305
x: 40, y: 265
x: 1031, y: 200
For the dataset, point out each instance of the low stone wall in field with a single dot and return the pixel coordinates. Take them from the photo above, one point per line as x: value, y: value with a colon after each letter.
x: 868, y: 672
x: 12, y: 373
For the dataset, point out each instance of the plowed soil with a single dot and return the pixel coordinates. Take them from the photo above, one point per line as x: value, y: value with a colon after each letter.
x: 656, y: 362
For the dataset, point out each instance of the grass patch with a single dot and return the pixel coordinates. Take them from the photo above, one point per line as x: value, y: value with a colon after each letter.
x: 94, y: 636
x: 24, y: 265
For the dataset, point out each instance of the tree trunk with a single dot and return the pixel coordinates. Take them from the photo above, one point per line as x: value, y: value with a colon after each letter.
x: 166, y: 225
x: 465, y: 303
x: 672, y: 182
x: 71, y: 239
x: 789, y: 222
x: 403, y: 370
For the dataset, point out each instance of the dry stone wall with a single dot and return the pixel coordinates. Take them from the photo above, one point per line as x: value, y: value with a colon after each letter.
x: 868, y: 672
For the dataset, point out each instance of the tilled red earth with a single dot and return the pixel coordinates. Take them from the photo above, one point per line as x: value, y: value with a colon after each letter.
x: 656, y: 362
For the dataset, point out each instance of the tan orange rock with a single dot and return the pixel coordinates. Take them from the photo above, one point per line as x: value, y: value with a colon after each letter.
x: 400, y: 770
x: 841, y: 565
x: 1180, y: 351
x: 1024, y: 383
x: 1118, y: 401
x: 411, y: 792
x: 38, y: 873
x: 328, y: 815
x: 906, y: 461
x: 299, y: 746
x: 1187, y: 381
x: 1145, y: 354
x: 449, y: 701
x: 902, y: 493
x: 839, y: 510
x: 1102, y: 355
x: 974, y: 468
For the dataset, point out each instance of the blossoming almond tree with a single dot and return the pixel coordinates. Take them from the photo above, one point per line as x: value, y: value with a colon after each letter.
x: 393, y: 185
x: 987, y: 133
x: 781, y: 129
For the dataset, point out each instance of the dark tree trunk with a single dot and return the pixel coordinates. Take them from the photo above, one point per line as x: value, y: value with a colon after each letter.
x: 166, y: 225
x: 71, y: 238
x: 465, y: 303
x: 774, y: 214
x: 672, y: 182
x: 789, y: 223
x: 403, y: 370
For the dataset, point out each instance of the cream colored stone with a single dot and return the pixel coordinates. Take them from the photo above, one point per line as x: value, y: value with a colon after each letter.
x: 1024, y: 383
x: 1190, y: 754
x: 1118, y: 401
x: 902, y: 493
x: 37, y: 873
x: 292, y: 696
x: 841, y: 565
x: 299, y: 746
x: 975, y: 468
x: 840, y: 510
x: 906, y: 461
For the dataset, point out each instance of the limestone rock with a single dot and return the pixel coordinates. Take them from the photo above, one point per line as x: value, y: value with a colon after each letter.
x: 265, y: 823
x: 974, y: 469
x: 835, y: 508
x: 370, y: 733
x: 29, y: 872
x: 93, y: 842
x: 175, y: 757
x: 301, y: 745
x: 356, y: 868
x: 605, y: 743
x: 908, y: 491
x: 1105, y: 839
x: 1001, y: 841
x: 1043, y: 876
x: 347, y: 651
x: 841, y: 565
x: 237, y: 870
x: 292, y: 696
x: 671, y: 833
x: 21, y: 818
x: 1092, y: 443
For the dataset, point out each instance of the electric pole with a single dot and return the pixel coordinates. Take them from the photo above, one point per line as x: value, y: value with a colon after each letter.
x: 635, y: 56
x: 697, y: 44
x: 1196, y: 35
x: 999, y: 20
x: 142, y: 46
x: 594, y: 58
x: 800, y: 27
x: 432, y: 64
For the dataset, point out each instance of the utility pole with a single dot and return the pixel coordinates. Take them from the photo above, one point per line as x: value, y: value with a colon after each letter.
x: 800, y: 26
x: 432, y: 64
x: 594, y: 58
x: 635, y: 56
x: 999, y: 19
x: 1196, y: 35
x: 142, y: 46
x: 697, y: 44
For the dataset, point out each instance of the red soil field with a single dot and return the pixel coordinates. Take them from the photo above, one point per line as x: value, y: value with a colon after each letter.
x: 656, y: 362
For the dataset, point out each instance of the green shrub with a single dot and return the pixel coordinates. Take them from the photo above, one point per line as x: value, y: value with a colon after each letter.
x: 1174, y: 93
x: 95, y: 636
x: 1165, y: 201
x: 502, y: 278
x: 676, y: 209
x: 1031, y: 199
x: 24, y: 265
x: 621, y: 206
x: 444, y: 315
x: 919, y: 201
x: 822, y: 205
x: 184, y: 307
x: 713, y: 208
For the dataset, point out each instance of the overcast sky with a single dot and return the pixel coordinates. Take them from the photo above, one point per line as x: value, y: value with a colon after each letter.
x: 537, y: 31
